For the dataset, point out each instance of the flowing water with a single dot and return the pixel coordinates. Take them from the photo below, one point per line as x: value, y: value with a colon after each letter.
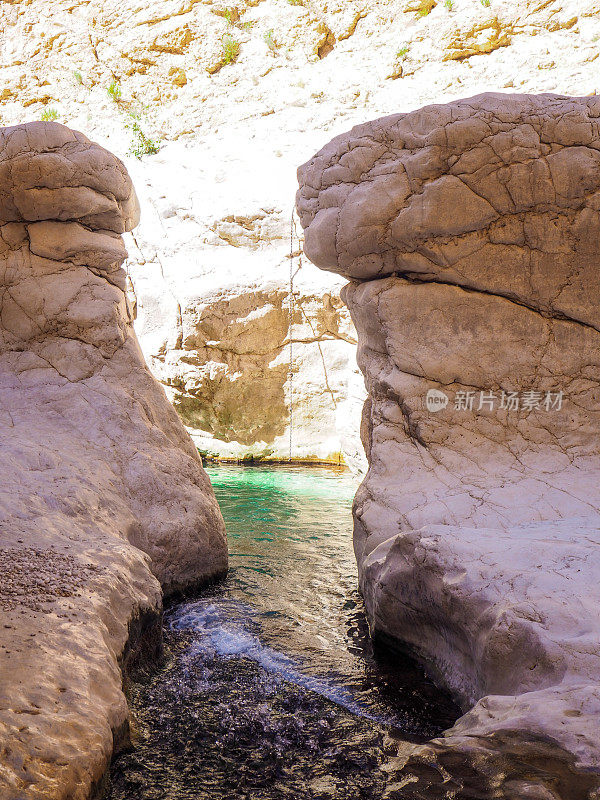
x: 271, y: 688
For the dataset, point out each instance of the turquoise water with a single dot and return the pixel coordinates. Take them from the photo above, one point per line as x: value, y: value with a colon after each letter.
x: 271, y: 687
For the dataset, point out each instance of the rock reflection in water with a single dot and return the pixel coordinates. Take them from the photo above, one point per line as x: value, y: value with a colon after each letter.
x: 271, y: 687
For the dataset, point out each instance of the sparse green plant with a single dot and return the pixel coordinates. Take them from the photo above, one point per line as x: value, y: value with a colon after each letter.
x: 232, y: 15
x: 448, y: 4
x: 486, y: 3
x: 270, y: 41
x: 231, y: 49
x: 114, y: 91
x: 596, y: 38
x: 403, y: 52
x: 49, y: 114
x: 425, y: 7
x: 141, y: 145
x: 78, y: 77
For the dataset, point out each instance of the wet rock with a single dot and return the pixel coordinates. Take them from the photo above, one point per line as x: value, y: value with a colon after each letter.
x: 471, y: 231
x: 103, y: 495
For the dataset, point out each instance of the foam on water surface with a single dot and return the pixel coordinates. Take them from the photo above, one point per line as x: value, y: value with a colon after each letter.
x: 222, y: 628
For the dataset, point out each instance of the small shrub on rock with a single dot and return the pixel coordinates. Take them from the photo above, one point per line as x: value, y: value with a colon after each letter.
x: 114, y: 91
x: 231, y: 49
x: 141, y: 144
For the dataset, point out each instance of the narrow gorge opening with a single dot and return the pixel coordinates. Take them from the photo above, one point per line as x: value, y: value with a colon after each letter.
x: 271, y: 687
x: 427, y: 316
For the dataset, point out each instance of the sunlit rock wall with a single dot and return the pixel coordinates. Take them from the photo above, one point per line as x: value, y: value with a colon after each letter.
x: 221, y: 323
x: 217, y: 198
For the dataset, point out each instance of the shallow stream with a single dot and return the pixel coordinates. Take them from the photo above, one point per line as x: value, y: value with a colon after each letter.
x: 271, y: 687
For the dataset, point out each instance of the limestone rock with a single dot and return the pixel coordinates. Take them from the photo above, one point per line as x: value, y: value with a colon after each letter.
x: 103, y: 493
x: 230, y: 142
x: 471, y: 231
x: 220, y: 326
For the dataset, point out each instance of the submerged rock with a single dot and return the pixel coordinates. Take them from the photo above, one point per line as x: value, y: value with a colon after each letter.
x: 471, y: 232
x: 103, y: 496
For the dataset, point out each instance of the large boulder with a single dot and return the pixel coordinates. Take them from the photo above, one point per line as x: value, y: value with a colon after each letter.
x: 103, y: 496
x: 470, y: 232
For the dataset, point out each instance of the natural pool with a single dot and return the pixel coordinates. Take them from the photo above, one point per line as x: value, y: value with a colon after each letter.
x: 271, y: 687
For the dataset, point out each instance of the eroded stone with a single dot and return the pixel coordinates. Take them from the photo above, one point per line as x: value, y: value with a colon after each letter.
x: 103, y: 495
x: 470, y: 230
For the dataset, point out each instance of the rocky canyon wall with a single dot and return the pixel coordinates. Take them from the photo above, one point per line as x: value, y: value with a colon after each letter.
x: 103, y: 498
x: 252, y: 368
x: 233, y: 96
x: 470, y: 234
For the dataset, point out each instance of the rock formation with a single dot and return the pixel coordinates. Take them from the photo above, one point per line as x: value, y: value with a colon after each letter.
x: 225, y: 279
x: 103, y: 495
x: 216, y: 198
x: 470, y: 232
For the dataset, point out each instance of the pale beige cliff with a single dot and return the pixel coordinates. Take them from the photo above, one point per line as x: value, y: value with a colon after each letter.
x: 103, y: 498
x: 217, y: 197
x: 471, y: 232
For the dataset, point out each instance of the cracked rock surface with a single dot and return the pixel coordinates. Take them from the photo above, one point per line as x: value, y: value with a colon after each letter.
x: 103, y: 497
x: 215, y: 226
x: 470, y: 231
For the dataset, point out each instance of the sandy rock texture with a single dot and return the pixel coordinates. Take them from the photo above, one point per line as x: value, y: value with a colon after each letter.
x: 235, y: 95
x: 471, y: 232
x: 103, y: 497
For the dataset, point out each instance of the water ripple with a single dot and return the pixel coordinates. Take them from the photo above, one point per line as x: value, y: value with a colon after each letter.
x: 271, y: 688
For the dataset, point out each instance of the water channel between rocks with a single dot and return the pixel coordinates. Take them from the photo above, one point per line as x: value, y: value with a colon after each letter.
x: 271, y: 687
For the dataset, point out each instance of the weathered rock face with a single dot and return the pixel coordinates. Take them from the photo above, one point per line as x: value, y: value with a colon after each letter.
x: 103, y: 494
x: 247, y: 359
x: 471, y: 233
x: 216, y: 199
